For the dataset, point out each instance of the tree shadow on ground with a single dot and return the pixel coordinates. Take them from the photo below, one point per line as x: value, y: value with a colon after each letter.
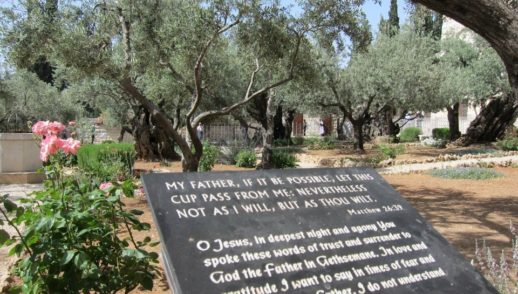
x: 462, y: 218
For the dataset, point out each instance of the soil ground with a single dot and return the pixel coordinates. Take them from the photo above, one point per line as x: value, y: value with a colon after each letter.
x: 461, y: 210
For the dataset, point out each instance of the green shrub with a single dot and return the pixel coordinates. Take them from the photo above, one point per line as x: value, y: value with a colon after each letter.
x: 108, y: 142
x: 282, y: 159
x: 508, y: 144
x: 297, y: 141
x: 209, y: 157
x: 281, y: 142
x: 441, y: 134
x: 111, y: 161
x: 391, y: 151
x: 410, y: 134
x: 71, y: 241
x: 246, y: 158
x: 469, y: 173
x: 327, y: 143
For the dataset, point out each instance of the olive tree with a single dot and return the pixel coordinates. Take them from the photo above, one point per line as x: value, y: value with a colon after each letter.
x: 497, y: 22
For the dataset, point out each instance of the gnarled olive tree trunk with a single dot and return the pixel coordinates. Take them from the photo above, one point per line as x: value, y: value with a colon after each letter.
x: 151, y: 141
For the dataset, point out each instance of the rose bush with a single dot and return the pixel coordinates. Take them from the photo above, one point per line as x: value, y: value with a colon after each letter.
x: 51, y: 143
x: 77, y: 234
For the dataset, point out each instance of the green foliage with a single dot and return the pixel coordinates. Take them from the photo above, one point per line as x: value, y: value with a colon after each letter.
x: 500, y: 272
x: 281, y: 142
x: 441, y: 133
x: 508, y: 144
x: 71, y: 242
x: 246, y: 158
x: 391, y: 151
x: 209, y: 157
x: 283, y: 159
x: 469, y: 173
x: 410, y: 134
x: 327, y: 143
x: 24, y: 98
x: 63, y: 159
x: 297, y: 141
x: 107, y: 162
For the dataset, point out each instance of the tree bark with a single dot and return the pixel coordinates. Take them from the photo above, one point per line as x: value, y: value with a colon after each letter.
x: 387, y: 125
x: 288, y: 127
x: 267, y: 152
x: 492, y: 121
x: 279, y: 131
x: 453, y: 121
x: 340, y: 128
x: 151, y: 142
x: 358, y: 134
x: 189, y: 160
x: 497, y: 22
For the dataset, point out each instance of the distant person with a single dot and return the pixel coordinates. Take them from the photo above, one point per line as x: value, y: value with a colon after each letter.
x: 321, y: 128
x: 93, y: 134
x: 199, y: 131
x: 304, y: 127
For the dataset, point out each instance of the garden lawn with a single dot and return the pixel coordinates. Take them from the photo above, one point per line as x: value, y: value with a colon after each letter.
x: 461, y: 210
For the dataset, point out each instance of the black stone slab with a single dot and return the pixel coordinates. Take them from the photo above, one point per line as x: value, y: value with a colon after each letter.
x: 322, y: 231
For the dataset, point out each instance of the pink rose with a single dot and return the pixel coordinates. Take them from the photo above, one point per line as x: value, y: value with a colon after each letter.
x: 105, y: 185
x: 55, y: 127
x: 70, y: 146
x: 49, y: 146
x: 41, y: 128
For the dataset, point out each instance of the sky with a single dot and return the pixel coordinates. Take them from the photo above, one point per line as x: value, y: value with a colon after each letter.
x: 375, y: 11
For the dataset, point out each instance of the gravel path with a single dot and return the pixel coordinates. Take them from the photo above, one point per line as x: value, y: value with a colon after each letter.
x: 15, y: 192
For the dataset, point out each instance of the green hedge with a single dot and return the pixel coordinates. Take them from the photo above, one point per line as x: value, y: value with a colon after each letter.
x: 410, y: 134
x: 111, y: 161
x: 508, y: 144
x: 441, y: 133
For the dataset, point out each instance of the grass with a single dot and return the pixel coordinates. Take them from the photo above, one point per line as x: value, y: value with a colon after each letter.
x: 467, y: 173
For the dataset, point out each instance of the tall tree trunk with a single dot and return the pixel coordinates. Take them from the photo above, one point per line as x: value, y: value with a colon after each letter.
x: 288, y: 128
x: 279, y: 131
x: 387, y: 125
x: 497, y: 22
x: 243, y: 124
x: 340, y: 128
x: 267, y: 152
x: 453, y: 121
x: 358, y: 125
